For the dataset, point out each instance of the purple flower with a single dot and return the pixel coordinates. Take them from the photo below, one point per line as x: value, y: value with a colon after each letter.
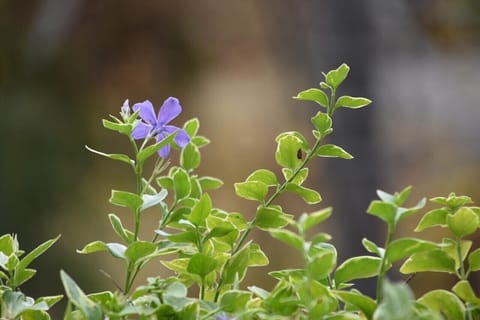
x: 157, y: 126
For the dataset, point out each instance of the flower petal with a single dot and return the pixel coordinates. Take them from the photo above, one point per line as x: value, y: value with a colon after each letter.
x: 164, y: 152
x: 147, y: 113
x: 181, y: 138
x: 141, y: 130
x: 170, y: 110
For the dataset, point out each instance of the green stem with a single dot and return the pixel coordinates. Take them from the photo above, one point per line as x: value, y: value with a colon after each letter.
x: 382, y: 271
x: 277, y: 192
x: 458, y: 243
x: 331, y: 107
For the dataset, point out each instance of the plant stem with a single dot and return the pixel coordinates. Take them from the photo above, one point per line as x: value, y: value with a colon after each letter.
x: 277, y: 192
x: 382, y: 271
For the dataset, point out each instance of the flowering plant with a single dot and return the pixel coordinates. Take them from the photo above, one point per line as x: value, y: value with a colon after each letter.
x: 209, y: 250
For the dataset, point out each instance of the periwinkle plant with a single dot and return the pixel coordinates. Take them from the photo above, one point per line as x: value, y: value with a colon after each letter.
x: 209, y: 249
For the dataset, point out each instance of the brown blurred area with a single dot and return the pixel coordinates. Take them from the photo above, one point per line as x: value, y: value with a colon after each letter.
x: 66, y: 64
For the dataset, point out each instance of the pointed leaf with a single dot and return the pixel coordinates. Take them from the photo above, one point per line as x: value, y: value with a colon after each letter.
x: 383, y: 210
x: 436, y: 217
x: 234, y: 300
x: 201, y: 210
x: 251, y: 190
x: 117, y: 225
x: 190, y: 157
x: 310, y: 196
x: 357, y: 268
x: 352, y: 102
x: 315, y: 95
x: 191, y: 127
x: 89, y: 309
x: 181, y: 184
x: 113, y: 156
x: 364, y: 303
x: 397, y: 304
x: 201, y: 264
x: 208, y: 183
x: 434, y: 261
x: 137, y: 251
x: 321, y: 265
x: 256, y: 257
x: 315, y: 218
x: 149, y: 201
x: 288, y: 237
x: 331, y: 150
x: 464, y: 290
x: 404, y: 247
x: 126, y: 199
x: 335, y: 77
x: 123, y: 128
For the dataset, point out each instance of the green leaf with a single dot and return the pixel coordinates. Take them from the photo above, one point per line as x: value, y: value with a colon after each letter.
x: 113, y: 156
x: 123, y: 128
x: 444, y: 302
x: 436, y: 217
x: 463, y: 222
x: 352, y: 102
x: 311, y: 220
x: 299, y: 178
x: 404, y: 247
x: 116, y: 249
x: 149, y: 201
x: 288, y: 237
x: 331, y: 150
x: 385, y: 211
x: 464, y: 290
x: 310, y: 196
x: 270, y: 218
x: 50, y: 300
x: 287, y: 151
x: 236, y: 269
x: 234, y: 301
x: 8, y: 244
x: 450, y: 247
x: 263, y: 175
x: 191, y: 127
x: 89, y: 309
x: 357, y: 268
x: 218, y: 232
x: 201, y: 210
x: 251, y: 190
x: 335, y: 77
x: 181, y: 184
x: 397, y: 304
x: 15, y: 304
x: 209, y: 183
x: 256, y: 257
x: 126, y: 199
x: 322, y: 122
x: 474, y: 260
x: 201, y: 264
x: 25, y: 261
x: 153, y: 149
x: 452, y: 200
x: 138, y: 251
x: 200, y: 141
x: 315, y: 95
x: 434, y: 261
x: 363, y: 303
x: 117, y: 225
x: 321, y: 265
x: 372, y: 247
x: 190, y: 157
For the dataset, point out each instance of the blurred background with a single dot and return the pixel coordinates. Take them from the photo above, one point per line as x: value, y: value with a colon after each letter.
x: 66, y: 64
